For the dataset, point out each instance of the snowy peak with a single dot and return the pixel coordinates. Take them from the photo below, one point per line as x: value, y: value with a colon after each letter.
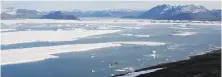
x: 192, y: 8
x: 185, y: 12
x: 14, y: 11
x: 10, y: 11
x: 181, y: 9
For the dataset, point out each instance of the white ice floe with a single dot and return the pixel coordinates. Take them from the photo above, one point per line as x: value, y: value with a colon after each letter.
x: 182, y: 25
x: 127, y: 34
x: 93, y: 71
x: 175, y: 46
x: 113, y: 26
x: 14, y: 56
x: 2, y: 30
x: 134, y: 74
x: 132, y: 27
x: 143, y: 43
x: 135, y: 35
x: 180, y: 28
x: 142, y: 35
x: 184, y: 33
x: 104, y: 28
x: 153, y: 52
x: 153, y: 55
x: 127, y: 69
x: 49, y: 36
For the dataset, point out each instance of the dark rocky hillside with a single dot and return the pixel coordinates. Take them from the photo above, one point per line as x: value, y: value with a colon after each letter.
x: 206, y: 65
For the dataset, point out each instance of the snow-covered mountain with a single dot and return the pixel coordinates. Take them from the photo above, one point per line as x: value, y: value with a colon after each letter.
x: 160, y: 12
x: 186, y: 12
x: 192, y: 9
x: 10, y: 13
x: 168, y: 10
x: 10, y: 10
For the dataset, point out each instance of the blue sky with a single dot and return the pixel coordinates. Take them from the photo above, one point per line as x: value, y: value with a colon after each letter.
x: 99, y: 5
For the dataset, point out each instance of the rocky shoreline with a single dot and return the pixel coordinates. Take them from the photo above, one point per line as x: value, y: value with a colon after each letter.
x: 205, y: 65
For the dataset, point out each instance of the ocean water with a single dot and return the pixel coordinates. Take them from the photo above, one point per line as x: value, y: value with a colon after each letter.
x: 82, y: 64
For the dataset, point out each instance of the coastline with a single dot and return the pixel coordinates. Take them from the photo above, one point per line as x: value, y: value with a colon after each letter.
x: 205, y: 65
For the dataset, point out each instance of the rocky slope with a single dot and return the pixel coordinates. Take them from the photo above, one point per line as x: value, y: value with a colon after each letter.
x: 206, y: 65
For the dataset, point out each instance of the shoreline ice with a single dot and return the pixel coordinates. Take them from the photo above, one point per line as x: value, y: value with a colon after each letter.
x: 134, y: 74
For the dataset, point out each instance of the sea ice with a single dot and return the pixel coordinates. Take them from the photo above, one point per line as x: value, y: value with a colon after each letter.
x: 14, y: 56
x: 49, y: 36
x: 184, y: 33
x: 143, y: 43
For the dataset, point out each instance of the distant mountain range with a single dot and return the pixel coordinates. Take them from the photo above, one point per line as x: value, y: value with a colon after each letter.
x: 186, y: 12
x: 59, y: 15
x: 108, y: 13
x: 160, y: 12
x: 12, y: 13
x: 34, y: 14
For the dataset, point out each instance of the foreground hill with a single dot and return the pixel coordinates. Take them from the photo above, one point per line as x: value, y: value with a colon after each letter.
x: 186, y: 12
x: 206, y: 65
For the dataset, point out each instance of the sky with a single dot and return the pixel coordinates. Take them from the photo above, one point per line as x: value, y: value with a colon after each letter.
x: 68, y: 5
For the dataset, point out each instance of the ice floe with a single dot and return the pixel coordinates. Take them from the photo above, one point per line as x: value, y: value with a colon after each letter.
x: 135, y: 35
x: 93, y: 71
x: 143, y: 43
x: 104, y: 28
x: 142, y: 35
x: 184, y: 33
x: 183, y: 25
x: 132, y: 27
x: 14, y: 56
x: 127, y: 34
x: 127, y: 69
x: 49, y: 36
x: 2, y: 30
x: 180, y: 28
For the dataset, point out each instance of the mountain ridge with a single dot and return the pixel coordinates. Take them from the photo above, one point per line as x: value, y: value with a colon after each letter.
x: 159, y: 12
x: 185, y: 12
